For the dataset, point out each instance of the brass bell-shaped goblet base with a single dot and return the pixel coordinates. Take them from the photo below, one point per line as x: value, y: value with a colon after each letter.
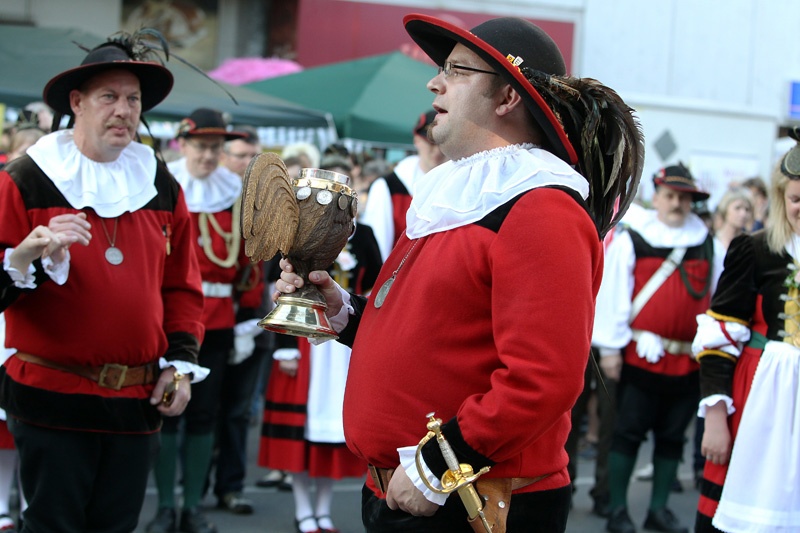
x: 300, y: 317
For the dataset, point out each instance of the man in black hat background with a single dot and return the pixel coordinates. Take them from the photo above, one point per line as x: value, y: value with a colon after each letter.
x: 390, y: 195
x: 657, y: 278
x: 483, y: 311
x: 212, y: 196
x: 106, y: 332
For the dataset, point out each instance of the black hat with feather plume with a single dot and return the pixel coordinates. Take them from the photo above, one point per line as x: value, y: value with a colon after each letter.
x: 585, y: 123
x: 128, y: 52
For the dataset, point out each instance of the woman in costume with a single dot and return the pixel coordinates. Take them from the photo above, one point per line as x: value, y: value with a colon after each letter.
x: 303, y: 432
x: 748, y: 346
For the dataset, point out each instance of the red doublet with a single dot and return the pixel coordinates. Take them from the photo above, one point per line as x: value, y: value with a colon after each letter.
x: 489, y: 323
x: 218, y: 313
x: 671, y: 311
x: 132, y: 313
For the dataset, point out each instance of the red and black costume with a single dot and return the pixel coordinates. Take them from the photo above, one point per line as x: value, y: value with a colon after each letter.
x: 747, y: 345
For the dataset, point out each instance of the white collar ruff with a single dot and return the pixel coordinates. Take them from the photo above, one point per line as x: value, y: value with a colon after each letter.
x: 212, y: 194
x: 693, y: 232
x: 110, y: 188
x: 457, y: 193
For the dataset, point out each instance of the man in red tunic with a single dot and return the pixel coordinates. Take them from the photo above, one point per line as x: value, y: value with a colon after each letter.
x: 657, y: 278
x: 101, y: 328
x: 483, y: 311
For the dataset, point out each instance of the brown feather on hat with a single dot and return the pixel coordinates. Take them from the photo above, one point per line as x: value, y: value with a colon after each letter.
x: 127, y: 51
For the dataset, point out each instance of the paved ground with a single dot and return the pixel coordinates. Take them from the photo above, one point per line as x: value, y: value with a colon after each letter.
x: 275, y: 512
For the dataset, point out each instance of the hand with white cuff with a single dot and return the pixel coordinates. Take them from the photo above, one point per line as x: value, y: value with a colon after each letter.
x: 716, y: 444
x: 611, y: 363
x: 172, y: 392
x: 404, y: 495
x: 649, y: 347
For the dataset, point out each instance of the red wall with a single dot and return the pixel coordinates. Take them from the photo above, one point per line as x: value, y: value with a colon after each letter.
x: 330, y: 31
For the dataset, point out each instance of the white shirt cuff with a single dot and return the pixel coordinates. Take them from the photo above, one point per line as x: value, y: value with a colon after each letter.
x: 708, y: 401
x: 58, y: 272
x: 409, y: 464
x: 248, y: 327
x: 286, y: 354
x: 199, y: 373
x: 23, y: 281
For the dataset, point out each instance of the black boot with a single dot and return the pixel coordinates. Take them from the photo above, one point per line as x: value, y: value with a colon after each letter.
x: 164, y: 521
x: 663, y: 520
x: 620, y: 522
x: 194, y: 521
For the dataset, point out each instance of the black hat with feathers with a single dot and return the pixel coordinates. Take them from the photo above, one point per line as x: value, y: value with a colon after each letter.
x: 584, y: 123
x: 130, y: 52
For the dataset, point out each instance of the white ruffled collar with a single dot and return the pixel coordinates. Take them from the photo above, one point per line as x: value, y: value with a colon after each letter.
x: 110, y: 188
x: 457, y: 193
x: 212, y: 194
x: 693, y: 232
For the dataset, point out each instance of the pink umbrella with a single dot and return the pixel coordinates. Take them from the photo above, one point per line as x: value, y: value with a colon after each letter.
x: 241, y: 70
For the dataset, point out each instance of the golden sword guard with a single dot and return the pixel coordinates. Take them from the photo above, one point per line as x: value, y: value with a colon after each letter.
x: 458, y: 478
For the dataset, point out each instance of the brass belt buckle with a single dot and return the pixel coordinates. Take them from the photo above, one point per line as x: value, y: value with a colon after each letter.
x: 123, y: 370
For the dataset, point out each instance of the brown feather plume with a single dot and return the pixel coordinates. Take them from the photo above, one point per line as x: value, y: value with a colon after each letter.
x: 607, y: 138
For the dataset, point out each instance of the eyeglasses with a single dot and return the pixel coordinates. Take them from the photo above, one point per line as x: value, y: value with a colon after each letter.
x: 243, y: 155
x: 203, y: 147
x: 448, y: 67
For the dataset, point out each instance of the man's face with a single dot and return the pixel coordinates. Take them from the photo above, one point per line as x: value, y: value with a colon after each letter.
x: 672, y: 206
x: 465, y: 103
x: 202, y: 153
x: 238, y: 154
x: 107, y: 110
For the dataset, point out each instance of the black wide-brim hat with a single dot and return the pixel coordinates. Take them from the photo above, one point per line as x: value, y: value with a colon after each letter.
x: 678, y: 178
x: 155, y: 80
x: 506, y: 44
x: 203, y: 122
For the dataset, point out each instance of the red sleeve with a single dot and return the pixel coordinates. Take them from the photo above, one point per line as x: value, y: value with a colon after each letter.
x: 181, y: 288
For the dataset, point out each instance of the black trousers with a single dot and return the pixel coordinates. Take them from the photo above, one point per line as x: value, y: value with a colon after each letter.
x: 78, y: 482
x: 667, y: 414
x: 533, y: 512
x: 200, y: 415
x: 607, y: 412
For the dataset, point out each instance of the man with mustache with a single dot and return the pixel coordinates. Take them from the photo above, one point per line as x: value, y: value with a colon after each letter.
x: 107, y: 332
x: 657, y: 278
x: 212, y: 196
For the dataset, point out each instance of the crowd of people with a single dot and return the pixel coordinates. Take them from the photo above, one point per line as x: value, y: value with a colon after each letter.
x: 500, y: 277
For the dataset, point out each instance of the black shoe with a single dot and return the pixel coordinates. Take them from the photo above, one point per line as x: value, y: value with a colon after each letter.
x: 676, y: 486
x: 164, y: 521
x: 620, y: 522
x: 235, y: 503
x: 194, y: 521
x: 663, y: 520
x: 601, y: 508
x: 285, y: 484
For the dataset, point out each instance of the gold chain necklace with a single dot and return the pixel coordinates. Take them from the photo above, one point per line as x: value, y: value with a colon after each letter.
x: 233, y: 239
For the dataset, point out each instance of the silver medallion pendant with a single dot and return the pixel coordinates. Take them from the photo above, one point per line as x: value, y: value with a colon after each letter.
x: 383, y: 291
x: 114, y: 255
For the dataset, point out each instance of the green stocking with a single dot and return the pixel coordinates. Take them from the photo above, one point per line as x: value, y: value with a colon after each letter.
x: 620, y: 469
x: 664, y: 471
x: 198, y: 450
x: 164, y: 470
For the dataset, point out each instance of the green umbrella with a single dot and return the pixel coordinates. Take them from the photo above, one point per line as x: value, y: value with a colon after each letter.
x: 30, y: 56
x: 376, y: 99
